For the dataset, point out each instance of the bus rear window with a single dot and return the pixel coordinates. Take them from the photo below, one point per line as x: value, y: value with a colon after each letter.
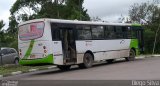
x: 31, y: 31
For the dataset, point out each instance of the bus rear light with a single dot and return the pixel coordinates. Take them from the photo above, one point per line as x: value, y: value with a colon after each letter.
x: 20, y: 54
x: 45, y: 51
x: 44, y: 47
x: 20, y: 50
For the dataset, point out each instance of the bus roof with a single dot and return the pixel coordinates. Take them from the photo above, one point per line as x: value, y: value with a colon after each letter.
x: 77, y: 22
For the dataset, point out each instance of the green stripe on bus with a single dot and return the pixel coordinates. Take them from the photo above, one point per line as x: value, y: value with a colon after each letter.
x: 29, y: 50
x: 134, y: 44
x: 136, y: 25
x: 45, y: 60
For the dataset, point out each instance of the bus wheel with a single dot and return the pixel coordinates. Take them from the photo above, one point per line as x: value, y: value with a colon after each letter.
x: 110, y: 61
x: 87, y: 61
x: 132, y: 55
x: 16, y: 61
x: 64, y: 67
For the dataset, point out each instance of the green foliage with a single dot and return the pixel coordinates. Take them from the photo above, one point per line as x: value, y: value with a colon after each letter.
x: 8, y: 38
x: 5, y: 39
x: 149, y: 12
x: 59, y: 9
x: 2, y: 34
x: 76, y: 11
x: 1, y: 25
x: 148, y: 40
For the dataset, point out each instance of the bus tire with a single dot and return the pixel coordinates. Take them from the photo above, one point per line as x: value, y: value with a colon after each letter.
x: 132, y: 55
x: 64, y: 67
x: 87, y: 61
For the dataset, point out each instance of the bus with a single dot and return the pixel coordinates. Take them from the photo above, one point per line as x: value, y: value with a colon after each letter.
x: 71, y: 42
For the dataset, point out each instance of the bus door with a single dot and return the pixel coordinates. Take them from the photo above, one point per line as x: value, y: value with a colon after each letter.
x: 141, y: 40
x: 138, y: 33
x: 68, y: 44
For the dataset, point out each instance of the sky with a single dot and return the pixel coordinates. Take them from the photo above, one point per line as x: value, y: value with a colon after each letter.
x: 5, y: 6
x: 107, y: 10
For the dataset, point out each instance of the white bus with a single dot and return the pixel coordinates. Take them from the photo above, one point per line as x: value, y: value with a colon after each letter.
x: 68, y: 42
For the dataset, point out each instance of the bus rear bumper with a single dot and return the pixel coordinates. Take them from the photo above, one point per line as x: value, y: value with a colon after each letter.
x: 46, y: 60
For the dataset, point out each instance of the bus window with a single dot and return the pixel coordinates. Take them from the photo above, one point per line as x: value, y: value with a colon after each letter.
x: 134, y: 34
x: 55, y: 31
x: 125, y: 32
x: 31, y: 31
x: 97, y: 32
x: 110, y: 32
x: 129, y: 35
x: 119, y: 32
x: 84, y: 33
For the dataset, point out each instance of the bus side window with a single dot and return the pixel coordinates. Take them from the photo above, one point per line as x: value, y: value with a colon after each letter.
x: 110, y: 32
x: 84, y: 33
x: 119, y: 32
x: 129, y: 35
x: 134, y: 33
x: 125, y: 32
x: 55, y: 31
x: 97, y: 32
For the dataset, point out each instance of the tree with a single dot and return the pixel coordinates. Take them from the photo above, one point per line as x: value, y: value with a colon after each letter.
x: 4, y: 38
x: 150, y: 13
x: 75, y: 10
x: 142, y: 11
x: 1, y: 32
x: 1, y: 25
x: 24, y: 10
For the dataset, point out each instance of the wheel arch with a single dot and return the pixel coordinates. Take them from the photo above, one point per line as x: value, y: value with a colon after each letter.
x: 16, y: 58
x: 90, y: 52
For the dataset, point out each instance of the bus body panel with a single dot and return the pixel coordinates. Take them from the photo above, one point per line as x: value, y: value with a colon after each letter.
x: 103, y: 49
x: 37, y: 49
x: 57, y: 52
x: 135, y: 45
x: 34, y: 51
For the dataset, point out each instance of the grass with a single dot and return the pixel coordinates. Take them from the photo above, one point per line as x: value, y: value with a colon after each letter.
x: 8, y: 69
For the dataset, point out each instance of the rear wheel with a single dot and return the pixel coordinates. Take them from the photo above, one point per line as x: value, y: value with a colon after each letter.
x: 87, y: 61
x: 132, y: 55
x: 64, y: 67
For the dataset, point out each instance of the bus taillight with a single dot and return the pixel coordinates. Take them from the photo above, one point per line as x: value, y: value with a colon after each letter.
x: 44, y: 47
x: 45, y: 51
x: 20, y: 54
